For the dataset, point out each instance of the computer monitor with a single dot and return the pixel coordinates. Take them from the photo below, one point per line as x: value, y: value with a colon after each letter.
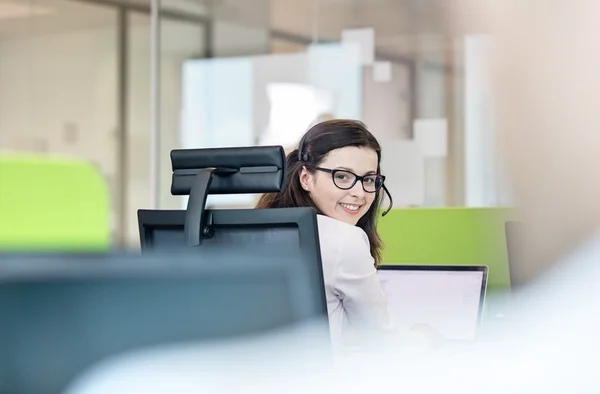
x: 276, y: 232
x: 448, y: 299
x: 61, y: 314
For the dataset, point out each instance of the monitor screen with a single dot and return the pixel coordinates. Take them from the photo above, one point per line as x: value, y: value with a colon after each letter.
x: 447, y: 299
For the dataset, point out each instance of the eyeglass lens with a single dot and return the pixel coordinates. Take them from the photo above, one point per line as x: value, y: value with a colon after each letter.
x: 346, y: 180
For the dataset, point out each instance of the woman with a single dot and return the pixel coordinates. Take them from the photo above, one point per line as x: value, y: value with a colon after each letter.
x: 336, y: 170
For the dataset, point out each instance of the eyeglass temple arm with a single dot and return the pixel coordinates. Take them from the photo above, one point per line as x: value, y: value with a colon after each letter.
x: 391, y: 201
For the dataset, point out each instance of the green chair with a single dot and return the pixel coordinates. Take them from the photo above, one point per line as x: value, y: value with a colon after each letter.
x: 449, y: 236
x: 52, y: 204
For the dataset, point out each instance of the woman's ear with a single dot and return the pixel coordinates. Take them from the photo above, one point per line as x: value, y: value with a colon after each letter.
x: 306, y: 179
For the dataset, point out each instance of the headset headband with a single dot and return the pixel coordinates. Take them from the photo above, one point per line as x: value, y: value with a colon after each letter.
x: 301, y: 155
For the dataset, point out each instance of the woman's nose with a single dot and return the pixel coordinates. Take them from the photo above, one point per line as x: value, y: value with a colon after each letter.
x: 357, y: 190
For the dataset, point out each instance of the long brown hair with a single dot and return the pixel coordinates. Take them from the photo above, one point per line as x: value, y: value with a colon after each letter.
x: 321, y: 139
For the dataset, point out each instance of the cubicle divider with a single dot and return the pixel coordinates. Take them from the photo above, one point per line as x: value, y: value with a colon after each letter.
x: 449, y: 236
x: 52, y: 204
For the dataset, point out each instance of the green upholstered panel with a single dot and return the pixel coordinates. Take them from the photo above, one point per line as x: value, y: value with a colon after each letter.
x: 449, y: 236
x: 50, y: 204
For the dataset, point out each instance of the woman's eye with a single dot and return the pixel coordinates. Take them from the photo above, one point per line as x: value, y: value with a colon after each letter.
x: 369, y: 180
x: 342, y: 177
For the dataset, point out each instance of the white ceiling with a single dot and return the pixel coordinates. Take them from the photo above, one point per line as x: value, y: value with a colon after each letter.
x: 404, y: 28
x: 20, y: 18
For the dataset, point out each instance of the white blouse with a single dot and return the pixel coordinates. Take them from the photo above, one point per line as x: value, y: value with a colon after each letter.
x: 355, y: 300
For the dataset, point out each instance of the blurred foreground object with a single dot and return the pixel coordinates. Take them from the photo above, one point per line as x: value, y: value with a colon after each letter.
x: 83, y: 308
x: 51, y: 204
x: 546, y: 87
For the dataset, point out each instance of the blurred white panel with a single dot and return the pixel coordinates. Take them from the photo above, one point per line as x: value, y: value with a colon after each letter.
x: 365, y: 40
x: 217, y: 103
x: 432, y: 136
x: 403, y: 166
x: 293, y: 107
x: 274, y: 69
x: 386, y: 106
x: 218, y: 111
x: 486, y: 184
x: 336, y: 68
x: 382, y: 71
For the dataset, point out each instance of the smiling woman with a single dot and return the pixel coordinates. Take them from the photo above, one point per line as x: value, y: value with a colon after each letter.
x: 336, y: 170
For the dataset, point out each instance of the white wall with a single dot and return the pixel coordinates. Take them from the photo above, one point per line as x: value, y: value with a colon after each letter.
x: 54, y: 87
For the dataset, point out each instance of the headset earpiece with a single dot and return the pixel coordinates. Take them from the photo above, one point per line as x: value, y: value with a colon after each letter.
x: 303, y: 157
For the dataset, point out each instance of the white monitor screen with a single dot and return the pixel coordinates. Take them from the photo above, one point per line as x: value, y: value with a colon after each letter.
x: 447, y: 300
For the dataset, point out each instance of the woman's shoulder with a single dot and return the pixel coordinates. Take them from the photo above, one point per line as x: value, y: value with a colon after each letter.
x: 345, y: 249
x: 346, y: 233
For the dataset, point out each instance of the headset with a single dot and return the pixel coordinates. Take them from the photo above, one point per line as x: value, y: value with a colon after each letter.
x: 304, y: 158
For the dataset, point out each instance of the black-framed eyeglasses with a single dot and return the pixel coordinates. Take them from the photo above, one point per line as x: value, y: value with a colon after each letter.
x: 346, y: 180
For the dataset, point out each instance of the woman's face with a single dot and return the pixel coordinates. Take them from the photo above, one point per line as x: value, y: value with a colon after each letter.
x: 345, y: 205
